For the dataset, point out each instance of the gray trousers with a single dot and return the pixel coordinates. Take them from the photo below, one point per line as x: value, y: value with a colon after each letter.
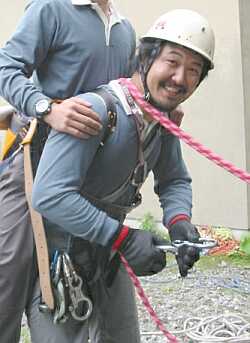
x: 17, y: 267
x: 114, y: 318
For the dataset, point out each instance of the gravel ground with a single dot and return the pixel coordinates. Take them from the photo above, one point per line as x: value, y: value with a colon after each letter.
x: 220, y: 289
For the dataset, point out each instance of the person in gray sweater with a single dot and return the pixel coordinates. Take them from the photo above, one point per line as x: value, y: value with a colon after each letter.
x: 84, y: 189
x: 61, y: 48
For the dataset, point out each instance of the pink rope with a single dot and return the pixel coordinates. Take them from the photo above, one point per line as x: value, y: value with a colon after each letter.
x: 144, y: 299
x: 175, y: 130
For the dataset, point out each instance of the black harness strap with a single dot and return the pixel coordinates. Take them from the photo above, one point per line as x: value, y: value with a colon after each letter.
x: 111, y: 111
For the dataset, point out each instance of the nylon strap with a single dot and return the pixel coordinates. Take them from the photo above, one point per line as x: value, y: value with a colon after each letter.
x: 111, y: 112
x: 37, y: 224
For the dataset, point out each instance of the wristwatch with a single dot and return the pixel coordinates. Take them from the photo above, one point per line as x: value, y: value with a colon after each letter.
x: 43, y: 107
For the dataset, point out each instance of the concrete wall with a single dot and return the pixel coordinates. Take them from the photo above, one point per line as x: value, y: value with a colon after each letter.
x: 244, y: 10
x: 11, y: 12
x: 217, y: 115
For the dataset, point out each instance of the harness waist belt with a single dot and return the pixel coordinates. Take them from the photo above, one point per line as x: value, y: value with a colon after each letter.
x: 115, y: 211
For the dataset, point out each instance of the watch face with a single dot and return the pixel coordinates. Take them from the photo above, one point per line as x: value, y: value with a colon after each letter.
x: 42, y: 106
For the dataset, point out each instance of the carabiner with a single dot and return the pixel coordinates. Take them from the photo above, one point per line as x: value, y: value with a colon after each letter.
x: 202, y: 244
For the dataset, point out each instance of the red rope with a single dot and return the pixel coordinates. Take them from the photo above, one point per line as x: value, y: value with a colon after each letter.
x: 171, y: 338
x: 175, y: 130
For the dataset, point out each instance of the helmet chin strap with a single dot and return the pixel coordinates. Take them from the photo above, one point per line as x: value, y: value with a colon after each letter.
x: 143, y: 74
x: 146, y: 65
x: 147, y: 96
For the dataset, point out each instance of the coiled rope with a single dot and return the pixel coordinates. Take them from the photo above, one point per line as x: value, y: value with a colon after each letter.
x: 175, y: 130
x: 229, y: 328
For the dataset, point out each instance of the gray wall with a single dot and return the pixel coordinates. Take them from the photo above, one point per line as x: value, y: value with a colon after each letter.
x: 244, y: 10
x: 217, y: 114
x: 11, y: 12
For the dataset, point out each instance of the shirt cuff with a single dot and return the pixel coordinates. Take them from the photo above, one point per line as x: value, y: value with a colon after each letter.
x: 31, y: 103
x: 178, y: 218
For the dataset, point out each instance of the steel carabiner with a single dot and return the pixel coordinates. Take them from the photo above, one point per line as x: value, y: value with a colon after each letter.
x: 202, y: 244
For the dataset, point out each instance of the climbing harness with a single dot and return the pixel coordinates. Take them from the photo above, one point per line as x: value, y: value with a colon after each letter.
x: 138, y: 174
x: 19, y: 135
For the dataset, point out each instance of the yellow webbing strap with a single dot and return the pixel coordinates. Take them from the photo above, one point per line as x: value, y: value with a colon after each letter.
x: 37, y: 223
x: 9, y: 139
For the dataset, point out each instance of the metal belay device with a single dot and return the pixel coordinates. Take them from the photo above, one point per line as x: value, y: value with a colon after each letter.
x: 68, y: 291
x: 203, y: 244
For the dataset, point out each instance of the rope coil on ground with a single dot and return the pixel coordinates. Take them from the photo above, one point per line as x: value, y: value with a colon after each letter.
x: 228, y: 328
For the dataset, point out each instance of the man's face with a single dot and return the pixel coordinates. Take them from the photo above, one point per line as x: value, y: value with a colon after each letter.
x: 174, y: 76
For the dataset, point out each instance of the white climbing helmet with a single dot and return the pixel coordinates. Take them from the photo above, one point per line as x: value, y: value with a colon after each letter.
x: 186, y: 28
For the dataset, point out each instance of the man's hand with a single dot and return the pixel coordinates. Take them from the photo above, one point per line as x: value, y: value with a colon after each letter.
x: 177, y: 115
x: 139, y: 249
x: 185, y: 231
x: 75, y: 117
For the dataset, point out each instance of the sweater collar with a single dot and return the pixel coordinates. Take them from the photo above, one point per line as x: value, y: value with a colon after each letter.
x: 115, y: 14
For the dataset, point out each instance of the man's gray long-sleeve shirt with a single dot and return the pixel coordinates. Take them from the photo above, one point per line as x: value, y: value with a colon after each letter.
x: 69, y: 165
x: 68, y: 49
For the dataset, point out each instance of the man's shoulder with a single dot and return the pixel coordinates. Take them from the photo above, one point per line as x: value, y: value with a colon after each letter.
x: 128, y: 24
x: 43, y: 3
x: 103, y: 102
x: 98, y: 103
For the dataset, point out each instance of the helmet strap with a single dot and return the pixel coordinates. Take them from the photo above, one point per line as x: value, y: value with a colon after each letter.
x: 147, y: 96
x: 145, y: 67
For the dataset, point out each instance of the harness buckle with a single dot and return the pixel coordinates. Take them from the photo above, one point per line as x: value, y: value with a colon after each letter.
x: 140, y: 174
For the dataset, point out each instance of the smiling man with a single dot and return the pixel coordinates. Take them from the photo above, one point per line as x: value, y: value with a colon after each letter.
x: 172, y: 85
x: 84, y: 189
